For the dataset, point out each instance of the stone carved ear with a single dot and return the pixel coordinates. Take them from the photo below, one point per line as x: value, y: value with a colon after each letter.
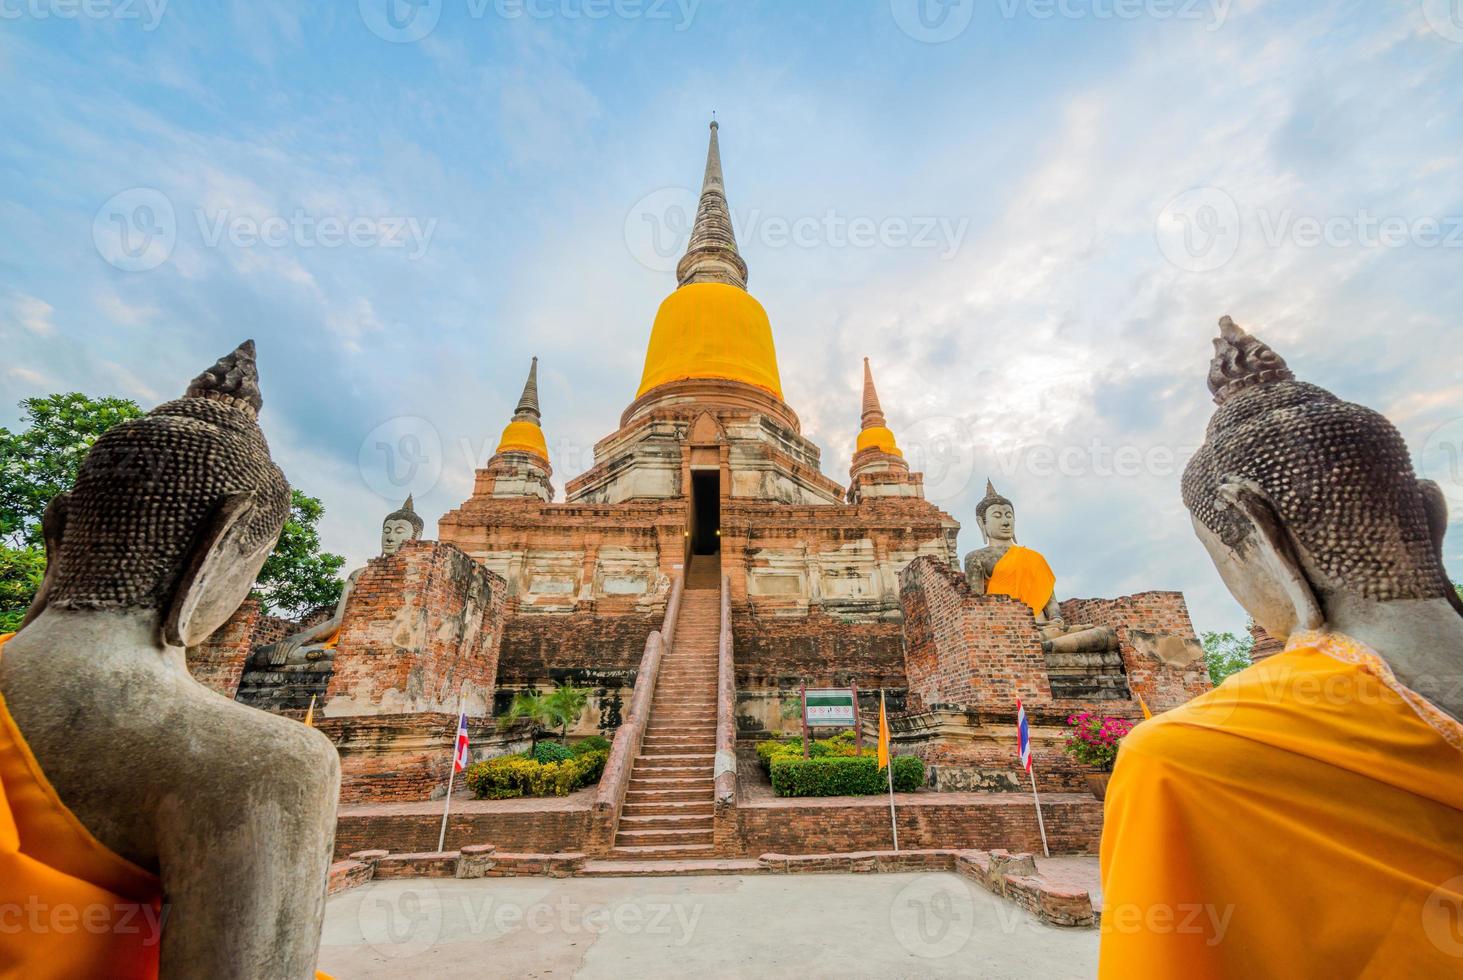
x: 1436, y: 504
x: 53, y: 525
x: 1276, y: 549
x: 215, y: 563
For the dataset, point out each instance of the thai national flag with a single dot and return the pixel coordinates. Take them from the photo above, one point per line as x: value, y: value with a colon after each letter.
x: 1025, y: 731
x: 459, y: 755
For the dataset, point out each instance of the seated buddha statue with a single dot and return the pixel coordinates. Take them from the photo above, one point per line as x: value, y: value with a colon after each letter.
x: 1004, y: 567
x: 1335, y: 767
x: 186, y: 835
x: 313, y: 648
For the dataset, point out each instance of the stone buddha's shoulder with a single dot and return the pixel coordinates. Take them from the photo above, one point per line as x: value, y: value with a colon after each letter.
x: 983, y: 559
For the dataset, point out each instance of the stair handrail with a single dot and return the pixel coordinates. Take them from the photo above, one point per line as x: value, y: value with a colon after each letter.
x: 724, y: 811
x: 609, y: 798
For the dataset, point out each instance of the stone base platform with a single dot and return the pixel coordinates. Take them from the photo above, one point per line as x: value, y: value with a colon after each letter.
x: 1061, y: 891
x: 767, y: 824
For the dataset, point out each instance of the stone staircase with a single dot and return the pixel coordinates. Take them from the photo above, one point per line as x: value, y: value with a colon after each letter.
x: 667, y: 812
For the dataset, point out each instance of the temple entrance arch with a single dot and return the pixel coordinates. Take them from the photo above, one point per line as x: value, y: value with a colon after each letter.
x: 705, y: 512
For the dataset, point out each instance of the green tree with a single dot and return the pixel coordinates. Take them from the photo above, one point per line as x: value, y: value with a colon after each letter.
x: 559, y: 709
x: 41, y: 462
x: 298, y: 576
x: 20, y: 576
x: 1458, y: 586
x: 1226, y: 653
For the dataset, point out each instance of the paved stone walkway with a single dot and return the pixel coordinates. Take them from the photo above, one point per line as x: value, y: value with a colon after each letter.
x: 797, y: 926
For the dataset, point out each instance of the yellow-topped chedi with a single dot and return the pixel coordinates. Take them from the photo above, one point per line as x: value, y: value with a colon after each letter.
x: 711, y: 330
x: 875, y: 433
x: 524, y: 434
x: 879, y: 437
x: 523, y: 437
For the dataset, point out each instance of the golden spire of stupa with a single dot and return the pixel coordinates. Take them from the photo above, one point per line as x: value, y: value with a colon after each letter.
x: 875, y: 432
x: 524, y: 433
x: 711, y: 327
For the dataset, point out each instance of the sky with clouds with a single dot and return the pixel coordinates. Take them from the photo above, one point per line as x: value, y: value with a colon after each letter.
x: 1029, y: 214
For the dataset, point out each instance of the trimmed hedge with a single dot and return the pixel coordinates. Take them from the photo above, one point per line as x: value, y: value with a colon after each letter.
x: 839, y: 745
x: 833, y: 775
x: 551, y: 752
x: 592, y: 743
x: 518, y: 775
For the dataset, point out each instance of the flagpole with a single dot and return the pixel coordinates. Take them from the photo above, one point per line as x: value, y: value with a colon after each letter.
x: 1040, y: 823
x: 884, y: 724
x: 452, y: 774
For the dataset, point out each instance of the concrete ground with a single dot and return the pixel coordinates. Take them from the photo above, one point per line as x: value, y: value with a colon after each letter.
x: 868, y: 925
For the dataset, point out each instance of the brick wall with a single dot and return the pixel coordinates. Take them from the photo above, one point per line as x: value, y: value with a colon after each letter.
x: 423, y: 628
x: 818, y: 649
x: 406, y: 757
x: 218, y: 662
x: 1073, y: 824
x: 965, y: 649
x: 1162, y: 656
x: 542, y: 831
x: 537, y: 647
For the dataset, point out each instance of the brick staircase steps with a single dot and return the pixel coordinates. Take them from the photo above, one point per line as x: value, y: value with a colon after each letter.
x: 668, y: 809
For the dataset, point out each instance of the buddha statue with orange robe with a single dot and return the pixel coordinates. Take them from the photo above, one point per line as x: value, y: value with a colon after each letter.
x: 148, y: 826
x: 313, y: 648
x: 1004, y: 567
x: 1304, y: 818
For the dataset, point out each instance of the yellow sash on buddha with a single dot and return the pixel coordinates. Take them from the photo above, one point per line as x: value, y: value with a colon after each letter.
x: 69, y: 906
x: 1305, y: 818
x: 1023, y: 574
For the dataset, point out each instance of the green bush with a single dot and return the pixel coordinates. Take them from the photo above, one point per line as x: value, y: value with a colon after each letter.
x: 551, y: 752
x: 840, y: 745
x: 839, y: 775
x: 594, y: 743
x: 518, y: 775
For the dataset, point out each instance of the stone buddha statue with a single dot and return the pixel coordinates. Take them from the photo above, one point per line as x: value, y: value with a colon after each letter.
x: 1311, y: 511
x: 1003, y: 567
x: 313, y: 648
x: 163, y: 790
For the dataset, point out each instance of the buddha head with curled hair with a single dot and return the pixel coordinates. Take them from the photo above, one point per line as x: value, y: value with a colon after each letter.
x: 174, y: 512
x: 1299, y: 496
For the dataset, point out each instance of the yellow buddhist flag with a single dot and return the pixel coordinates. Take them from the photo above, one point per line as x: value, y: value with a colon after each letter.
x: 310, y: 713
x: 1143, y: 704
x: 883, y: 734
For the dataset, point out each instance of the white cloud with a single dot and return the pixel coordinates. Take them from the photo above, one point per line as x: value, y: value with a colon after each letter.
x: 33, y: 314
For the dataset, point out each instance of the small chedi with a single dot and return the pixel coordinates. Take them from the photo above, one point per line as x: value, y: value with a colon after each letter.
x: 706, y: 530
x: 1339, y: 755
x: 225, y: 813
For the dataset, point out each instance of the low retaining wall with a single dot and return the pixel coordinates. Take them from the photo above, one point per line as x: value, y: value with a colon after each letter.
x: 926, y: 820
x: 557, y: 825
x: 1012, y: 876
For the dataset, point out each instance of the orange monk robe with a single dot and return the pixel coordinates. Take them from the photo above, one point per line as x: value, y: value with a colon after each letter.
x: 1023, y: 574
x: 69, y: 906
x: 1304, y: 819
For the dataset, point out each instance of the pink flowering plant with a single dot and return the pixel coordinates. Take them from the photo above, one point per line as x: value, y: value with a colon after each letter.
x: 1094, y: 740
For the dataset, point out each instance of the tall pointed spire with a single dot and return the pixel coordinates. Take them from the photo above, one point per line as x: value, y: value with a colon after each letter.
x: 524, y: 433
x: 527, y: 410
x: 874, y: 430
x: 873, y: 415
x: 712, y: 255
